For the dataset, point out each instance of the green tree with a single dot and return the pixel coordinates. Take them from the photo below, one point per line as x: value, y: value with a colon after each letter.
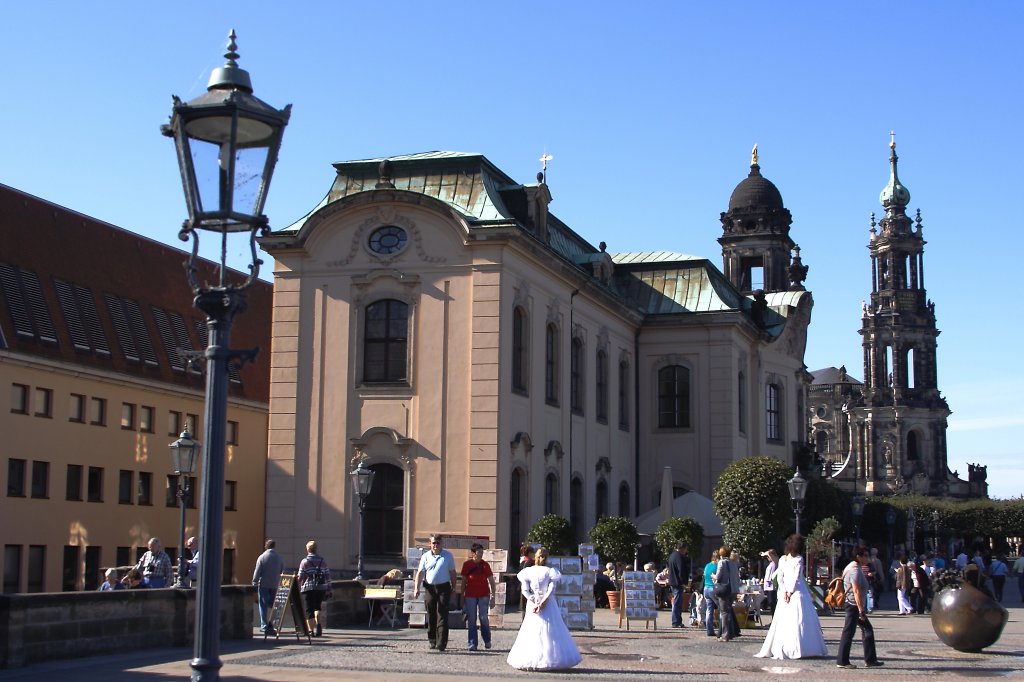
x: 615, y: 538
x: 819, y: 542
x: 752, y: 500
x: 554, y: 533
x: 678, y: 528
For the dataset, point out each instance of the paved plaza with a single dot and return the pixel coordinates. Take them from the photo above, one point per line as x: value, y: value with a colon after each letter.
x: 907, y: 644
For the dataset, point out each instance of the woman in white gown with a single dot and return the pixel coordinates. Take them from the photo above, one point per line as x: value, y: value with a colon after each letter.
x: 543, y: 642
x: 795, y: 631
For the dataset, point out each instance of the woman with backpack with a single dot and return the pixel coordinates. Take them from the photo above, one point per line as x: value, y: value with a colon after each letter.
x: 315, y: 585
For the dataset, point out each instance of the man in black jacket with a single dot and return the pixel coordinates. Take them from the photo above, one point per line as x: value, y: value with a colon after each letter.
x: 678, y: 579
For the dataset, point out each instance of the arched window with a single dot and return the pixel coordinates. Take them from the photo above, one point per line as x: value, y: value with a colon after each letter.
x: 576, y: 508
x: 821, y: 442
x: 520, y: 349
x: 600, y: 499
x: 517, y: 490
x: 624, y: 500
x: 576, y: 377
x: 551, y: 365
x: 913, y: 448
x: 624, y: 395
x: 551, y: 494
x: 674, y: 397
x: 741, y: 402
x: 601, y: 378
x: 385, y: 355
x: 384, y: 513
x: 773, y: 411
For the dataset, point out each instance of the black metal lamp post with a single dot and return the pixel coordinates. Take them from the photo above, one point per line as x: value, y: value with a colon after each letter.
x: 935, y: 531
x: 227, y: 142
x: 362, y: 484
x: 857, y: 503
x: 797, y: 495
x: 184, y: 454
x: 890, y: 521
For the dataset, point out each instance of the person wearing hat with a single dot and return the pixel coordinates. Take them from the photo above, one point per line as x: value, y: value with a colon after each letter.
x: 479, y: 595
x: 768, y: 584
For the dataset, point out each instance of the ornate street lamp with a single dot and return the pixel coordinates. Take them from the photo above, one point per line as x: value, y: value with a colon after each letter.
x: 797, y: 495
x: 362, y: 484
x: 184, y: 457
x: 857, y: 505
x: 227, y: 142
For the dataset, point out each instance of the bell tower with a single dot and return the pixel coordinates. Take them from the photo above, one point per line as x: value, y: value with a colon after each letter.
x: 903, y: 417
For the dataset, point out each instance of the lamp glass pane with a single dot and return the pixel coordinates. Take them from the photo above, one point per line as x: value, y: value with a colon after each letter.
x: 250, y: 163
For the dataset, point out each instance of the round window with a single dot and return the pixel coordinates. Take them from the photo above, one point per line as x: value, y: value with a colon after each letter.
x: 388, y: 239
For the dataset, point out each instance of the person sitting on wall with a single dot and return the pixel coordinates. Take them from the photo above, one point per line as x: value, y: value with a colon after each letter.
x: 110, y: 581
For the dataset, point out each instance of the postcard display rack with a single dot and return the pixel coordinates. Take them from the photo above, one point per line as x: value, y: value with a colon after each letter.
x: 574, y: 593
x: 639, y: 599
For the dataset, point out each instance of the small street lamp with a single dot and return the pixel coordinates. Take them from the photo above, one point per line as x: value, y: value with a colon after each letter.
x: 911, y: 534
x: 227, y: 142
x: 857, y: 504
x: 362, y: 484
x: 797, y: 495
x: 184, y: 457
x: 935, y: 531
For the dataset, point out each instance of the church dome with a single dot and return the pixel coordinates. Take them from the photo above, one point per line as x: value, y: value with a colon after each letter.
x: 755, y: 191
x: 894, y: 193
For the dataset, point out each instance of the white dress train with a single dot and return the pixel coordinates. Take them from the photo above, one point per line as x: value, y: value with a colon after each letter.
x: 543, y: 642
x: 795, y: 631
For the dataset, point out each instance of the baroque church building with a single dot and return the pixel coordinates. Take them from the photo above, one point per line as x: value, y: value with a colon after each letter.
x: 888, y: 434
x: 433, y: 320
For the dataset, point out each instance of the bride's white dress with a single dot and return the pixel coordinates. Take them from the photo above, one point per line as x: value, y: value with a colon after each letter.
x: 795, y: 631
x: 543, y: 642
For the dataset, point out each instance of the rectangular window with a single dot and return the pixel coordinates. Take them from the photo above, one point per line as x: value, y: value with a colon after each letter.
x: 36, y: 568
x: 123, y: 556
x: 232, y: 433
x: 40, y: 479
x: 12, y: 568
x: 76, y: 408
x: 192, y: 423
x: 145, y: 497
x: 44, y: 402
x: 95, y: 484
x: 92, y: 567
x: 124, y: 486
x: 73, y: 484
x: 172, y: 491
x: 128, y: 416
x: 72, y: 559
x: 146, y: 417
x: 624, y: 396
x: 15, y: 477
x: 230, y: 495
x: 772, y: 412
x: 98, y: 411
x: 174, y: 424
x: 19, y: 399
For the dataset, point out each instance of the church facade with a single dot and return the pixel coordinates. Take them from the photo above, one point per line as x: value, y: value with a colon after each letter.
x: 888, y: 434
x: 435, y: 321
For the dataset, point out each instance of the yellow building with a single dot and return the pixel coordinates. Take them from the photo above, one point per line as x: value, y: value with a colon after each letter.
x: 92, y: 319
x: 434, y: 320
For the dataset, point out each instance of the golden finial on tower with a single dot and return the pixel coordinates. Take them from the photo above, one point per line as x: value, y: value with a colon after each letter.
x: 892, y: 139
x: 753, y: 155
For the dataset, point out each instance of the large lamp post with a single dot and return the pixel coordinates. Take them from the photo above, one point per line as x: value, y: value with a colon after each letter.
x: 935, y: 531
x: 857, y: 505
x: 227, y: 142
x: 184, y: 454
x: 362, y: 484
x: 797, y: 495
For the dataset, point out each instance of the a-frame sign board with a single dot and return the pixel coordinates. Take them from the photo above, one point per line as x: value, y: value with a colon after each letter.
x: 288, y: 596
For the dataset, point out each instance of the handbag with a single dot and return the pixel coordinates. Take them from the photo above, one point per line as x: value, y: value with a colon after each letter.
x: 723, y: 583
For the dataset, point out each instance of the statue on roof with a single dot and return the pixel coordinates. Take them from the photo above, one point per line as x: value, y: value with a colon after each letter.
x: 753, y: 155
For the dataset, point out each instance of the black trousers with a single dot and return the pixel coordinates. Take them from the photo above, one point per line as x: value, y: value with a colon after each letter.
x: 867, y: 634
x: 436, y: 601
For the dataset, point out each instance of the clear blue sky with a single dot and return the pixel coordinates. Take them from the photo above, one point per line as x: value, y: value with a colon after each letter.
x: 650, y: 112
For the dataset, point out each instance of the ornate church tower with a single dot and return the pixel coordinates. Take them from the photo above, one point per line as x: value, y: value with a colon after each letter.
x: 755, y: 237
x: 902, y: 421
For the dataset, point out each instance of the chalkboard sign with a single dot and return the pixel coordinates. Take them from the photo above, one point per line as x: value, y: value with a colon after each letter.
x: 288, y: 595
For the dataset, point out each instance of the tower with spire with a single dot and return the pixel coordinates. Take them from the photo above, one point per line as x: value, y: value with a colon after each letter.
x: 901, y: 422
